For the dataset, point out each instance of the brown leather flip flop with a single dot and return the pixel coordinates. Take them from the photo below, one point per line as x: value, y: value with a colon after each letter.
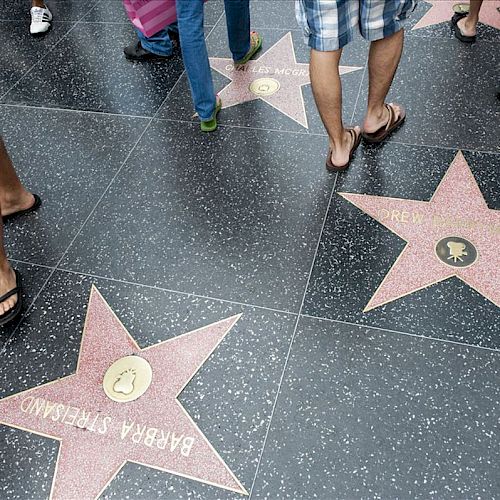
x: 334, y: 168
x: 392, y: 124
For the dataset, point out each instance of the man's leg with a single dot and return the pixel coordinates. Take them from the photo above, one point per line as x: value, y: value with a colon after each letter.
x: 382, y: 65
x: 238, y: 27
x: 327, y: 90
x: 468, y: 25
x: 13, y: 195
x: 195, y: 56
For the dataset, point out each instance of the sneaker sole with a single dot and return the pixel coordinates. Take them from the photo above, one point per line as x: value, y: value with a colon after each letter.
x: 42, y: 33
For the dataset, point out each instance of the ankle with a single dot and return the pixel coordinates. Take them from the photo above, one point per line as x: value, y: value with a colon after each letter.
x: 342, y: 141
x: 14, y: 196
x: 471, y: 22
x: 5, y: 268
x: 376, y: 112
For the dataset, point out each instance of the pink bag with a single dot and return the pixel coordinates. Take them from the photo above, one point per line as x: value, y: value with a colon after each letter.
x: 150, y: 16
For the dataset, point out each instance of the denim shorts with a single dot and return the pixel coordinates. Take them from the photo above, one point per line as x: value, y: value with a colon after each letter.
x: 332, y: 24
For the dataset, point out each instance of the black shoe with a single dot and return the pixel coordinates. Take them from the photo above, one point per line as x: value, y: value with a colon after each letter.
x: 174, y: 37
x: 136, y: 52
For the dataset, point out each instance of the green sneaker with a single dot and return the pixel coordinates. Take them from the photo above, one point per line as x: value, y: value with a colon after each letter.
x: 255, y: 46
x: 211, y: 124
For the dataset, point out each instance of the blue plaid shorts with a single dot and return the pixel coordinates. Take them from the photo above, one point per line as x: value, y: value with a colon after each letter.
x: 331, y: 24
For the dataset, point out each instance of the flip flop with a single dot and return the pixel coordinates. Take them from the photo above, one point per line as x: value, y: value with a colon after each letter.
x: 255, y: 46
x: 456, y: 29
x: 386, y: 130
x: 36, y: 205
x: 14, y: 312
x: 334, y: 168
x: 211, y: 124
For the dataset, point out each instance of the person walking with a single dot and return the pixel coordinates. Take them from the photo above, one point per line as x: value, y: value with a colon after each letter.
x: 15, y: 200
x: 242, y: 43
x: 328, y: 26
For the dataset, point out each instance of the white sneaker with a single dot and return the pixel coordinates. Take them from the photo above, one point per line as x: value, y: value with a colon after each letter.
x: 40, y: 20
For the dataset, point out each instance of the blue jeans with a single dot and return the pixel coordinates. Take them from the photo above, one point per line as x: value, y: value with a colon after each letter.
x: 160, y: 43
x: 194, y: 49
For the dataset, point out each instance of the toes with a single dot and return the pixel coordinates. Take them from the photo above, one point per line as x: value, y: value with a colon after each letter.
x: 8, y: 304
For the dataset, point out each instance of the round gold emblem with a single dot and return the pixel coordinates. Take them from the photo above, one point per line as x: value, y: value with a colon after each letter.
x: 127, y: 379
x: 456, y: 252
x: 265, y: 86
x: 461, y: 8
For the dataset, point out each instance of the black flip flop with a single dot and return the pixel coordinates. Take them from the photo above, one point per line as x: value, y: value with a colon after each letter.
x: 36, y: 205
x: 334, y: 168
x: 386, y: 130
x: 458, y: 34
x: 14, y: 312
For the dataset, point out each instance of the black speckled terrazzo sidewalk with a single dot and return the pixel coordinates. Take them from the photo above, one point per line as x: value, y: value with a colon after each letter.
x: 314, y: 394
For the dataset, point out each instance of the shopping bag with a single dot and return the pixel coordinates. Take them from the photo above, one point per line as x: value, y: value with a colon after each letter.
x: 150, y: 16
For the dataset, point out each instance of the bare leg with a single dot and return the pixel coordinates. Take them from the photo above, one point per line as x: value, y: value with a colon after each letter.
x: 468, y: 25
x: 382, y: 65
x: 13, y: 195
x: 38, y: 3
x: 327, y: 90
x: 7, y: 277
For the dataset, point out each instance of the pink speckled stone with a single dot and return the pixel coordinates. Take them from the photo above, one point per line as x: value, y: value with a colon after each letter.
x: 279, y: 63
x: 89, y: 458
x: 458, y: 199
x: 442, y: 11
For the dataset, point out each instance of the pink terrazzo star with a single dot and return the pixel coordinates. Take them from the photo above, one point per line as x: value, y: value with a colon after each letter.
x: 442, y: 11
x: 457, y: 211
x: 279, y: 64
x: 98, y: 435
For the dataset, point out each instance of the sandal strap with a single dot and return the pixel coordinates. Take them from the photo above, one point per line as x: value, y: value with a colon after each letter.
x: 254, y: 38
x: 9, y: 294
x: 354, y: 136
x: 392, y: 116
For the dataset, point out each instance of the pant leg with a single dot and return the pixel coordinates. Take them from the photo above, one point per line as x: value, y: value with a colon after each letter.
x: 195, y: 56
x: 159, y: 44
x: 238, y: 27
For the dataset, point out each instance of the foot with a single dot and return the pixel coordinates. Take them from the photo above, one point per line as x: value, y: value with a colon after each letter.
x: 375, y: 120
x: 466, y: 27
x: 40, y: 20
x: 255, y: 46
x: 136, y: 52
x: 7, y: 283
x: 341, y: 154
x: 210, y: 125
x: 21, y: 202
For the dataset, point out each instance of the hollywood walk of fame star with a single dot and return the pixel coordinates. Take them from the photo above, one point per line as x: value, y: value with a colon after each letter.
x: 453, y: 234
x: 98, y: 435
x: 442, y: 11
x: 275, y: 77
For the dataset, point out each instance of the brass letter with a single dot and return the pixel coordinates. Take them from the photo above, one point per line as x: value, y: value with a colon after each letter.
x: 30, y: 398
x: 105, y: 422
x: 187, y: 444
x: 150, y: 436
